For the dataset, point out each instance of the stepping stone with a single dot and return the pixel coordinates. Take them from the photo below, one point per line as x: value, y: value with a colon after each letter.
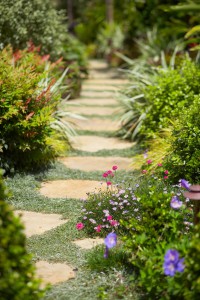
x: 92, y: 163
x: 96, y: 143
x: 89, y: 243
x: 105, y: 82
x: 92, y: 101
x: 92, y: 110
x: 97, y: 64
x: 96, y: 124
x: 97, y: 94
x: 53, y: 273
x: 94, y: 87
x: 70, y: 188
x: 38, y: 223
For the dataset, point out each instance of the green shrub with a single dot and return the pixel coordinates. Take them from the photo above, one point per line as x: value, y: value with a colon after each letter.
x: 185, y: 152
x: 34, y: 20
x: 157, y: 229
x: 161, y: 100
x: 27, y: 103
x: 17, y: 280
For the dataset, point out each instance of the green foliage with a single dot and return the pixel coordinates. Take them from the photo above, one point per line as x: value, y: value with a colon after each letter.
x: 34, y: 20
x: 185, y: 153
x: 161, y: 100
x: 117, y: 259
x: 156, y: 229
x: 17, y: 279
x: 28, y: 99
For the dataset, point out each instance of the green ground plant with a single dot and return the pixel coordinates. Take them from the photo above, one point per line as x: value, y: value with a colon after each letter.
x: 17, y: 279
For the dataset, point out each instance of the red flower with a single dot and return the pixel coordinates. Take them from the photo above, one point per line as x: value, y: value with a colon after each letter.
x: 79, y: 226
x: 115, y: 168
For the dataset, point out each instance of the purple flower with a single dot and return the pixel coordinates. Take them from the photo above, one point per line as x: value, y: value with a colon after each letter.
x: 172, y: 256
x: 185, y: 184
x: 172, y: 263
x: 175, y: 202
x: 110, y: 240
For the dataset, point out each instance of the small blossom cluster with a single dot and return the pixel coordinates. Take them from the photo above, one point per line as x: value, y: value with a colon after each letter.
x: 108, y: 175
x: 172, y: 263
x: 103, y: 211
x: 164, y: 173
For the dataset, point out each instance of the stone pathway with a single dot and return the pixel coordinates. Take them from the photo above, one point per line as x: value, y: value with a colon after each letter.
x: 97, y: 102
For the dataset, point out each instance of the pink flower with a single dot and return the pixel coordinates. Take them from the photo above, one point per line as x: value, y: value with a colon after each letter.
x: 109, y: 218
x: 115, y: 168
x: 114, y: 223
x: 105, y: 175
x: 149, y: 161
x: 79, y: 226
x: 144, y: 171
x: 166, y: 172
x: 109, y: 172
x: 165, y: 177
x: 108, y: 183
x: 159, y: 165
x: 98, y: 228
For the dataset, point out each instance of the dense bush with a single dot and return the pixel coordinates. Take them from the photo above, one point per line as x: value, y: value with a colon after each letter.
x: 34, y: 20
x: 161, y: 100
x: 17, y: 280
x: 27, y: 103
x: 185, y: 152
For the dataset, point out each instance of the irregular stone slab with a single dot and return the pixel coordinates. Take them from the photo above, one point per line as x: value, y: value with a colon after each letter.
x: 92, y: 110
x: 92, y: 101
x: 105, y: 82
x: 96, y: 124
x: 97, y: 64
x: 103, y: 75
x: 70, y: 188
x: 94, y: 87
x: 38, y: 223
x: 89, y: 243
x: 92, y: 163
x: 53, y: 272
x: 97, y: 94
x: 93, y: 144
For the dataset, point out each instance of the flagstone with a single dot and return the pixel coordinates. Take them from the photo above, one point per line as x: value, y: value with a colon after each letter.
x: 53, y: 273
x: 89, y: 243
x: 96, y: 143
x: 38, y: 223
x: 97, y: 64
x: 94, y: 87
x: 105, y: 82
x: 70, y: 188
x: 92, y: 110
x: 92, y: 101
x: 97, y: 124
x: 97, y: 94
x: 92, y: 163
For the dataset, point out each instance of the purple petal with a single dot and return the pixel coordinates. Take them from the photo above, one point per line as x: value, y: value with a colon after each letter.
x: 175, y: 202
x: 185, y: 184
x: 169, y: 269
x: 180, y: 265
x: 171, y: 256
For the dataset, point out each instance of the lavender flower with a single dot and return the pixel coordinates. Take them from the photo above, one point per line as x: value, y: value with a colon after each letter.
x: 172, y: 263
x: 175, y: 202
x: 111, y: 240
x: 185, y: 184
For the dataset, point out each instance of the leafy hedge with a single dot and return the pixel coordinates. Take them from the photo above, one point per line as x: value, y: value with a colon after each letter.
x: 17, y: 280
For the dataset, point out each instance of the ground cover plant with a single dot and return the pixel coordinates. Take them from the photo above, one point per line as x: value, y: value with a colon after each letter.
x: 157, y: 233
